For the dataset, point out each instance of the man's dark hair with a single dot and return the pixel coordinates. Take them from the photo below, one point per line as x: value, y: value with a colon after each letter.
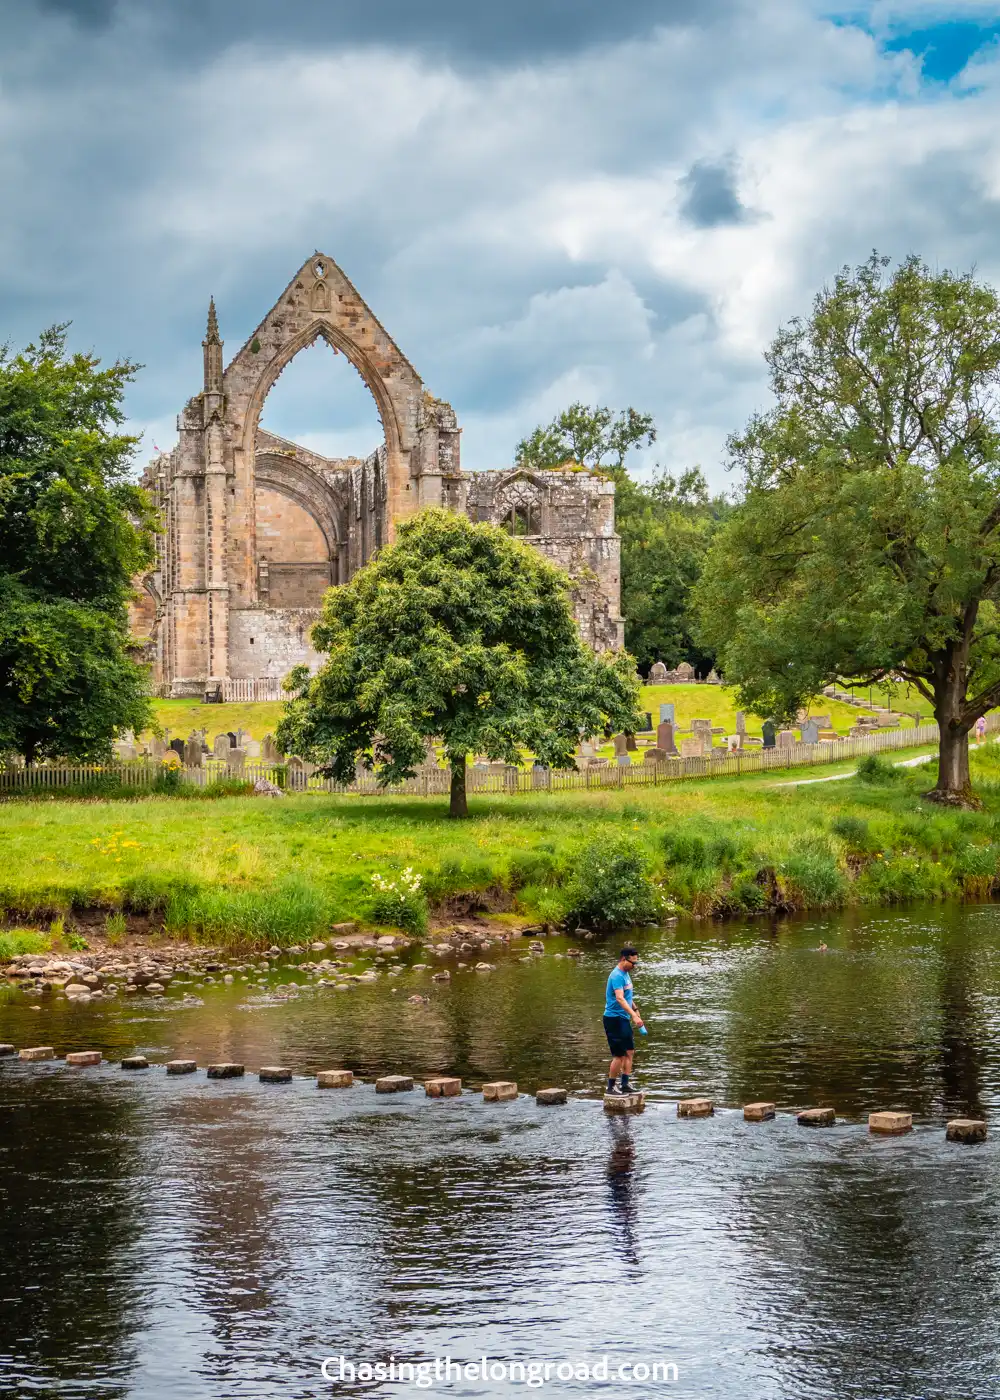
x: 628, y: 952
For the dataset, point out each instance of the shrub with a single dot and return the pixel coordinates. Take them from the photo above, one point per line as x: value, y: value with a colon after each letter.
x: 169, y: 781
x: 610, y: 886
x: 400, y: 903
x: 283, y: 913
x: 854, y: 832
x: 812, y: 877
x: 682, y: 847
x: 15, y: 941
x: 456, y: 876
x: 535, y: 867
x: 115, y: 926
x: 877, y: 771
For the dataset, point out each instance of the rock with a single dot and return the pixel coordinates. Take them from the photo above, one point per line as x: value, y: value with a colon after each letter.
x: 485, y: 967
x: 154, y: 989
x: 386, y: 941
x: 37, y: 1052
x: 574, y: 952
x: 346, y: 927
x: 317, y: 947
x: 263, y: 787
x: 758, y: 1112
x: 135, y: 1062
x: 890, y: 1123
x: 394, y: 1084
x: 625, y: 1103
x: 83, y: 1058
x: 444, y: 976
x: 817, y: 1117
x: 695, y: 1108
x: 6, y: 1049
x: 551, y: 1096
x: 536, y: 947
x: 966, y: 1130
x: 418, y: 1000
x: 334, y: 1079
x: 442, y: 1088
x: 274, y: 1074
x: 226, y: 1070
x: 181, y: 1066
x: 499, y: 1091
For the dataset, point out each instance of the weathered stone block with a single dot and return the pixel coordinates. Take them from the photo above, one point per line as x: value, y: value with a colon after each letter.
x: 274, y: 1074
x: 334, y: 1079
x: 695, y: 1108
x: 394, y: 1084
x: 135, y: 1062
x: 83, y: 1058
x: 499, y: 1091
x: 625, y: 1103
x: 442, y: 1088
x: 226, y: 1070
x: 758, y: 1112
x: 817, y: 1117
x: 6, y: 1050
x: 890, y: 1123
x: 37, y: 1052
x: 966, y: 1130
x: 551, y: 1096
x: 181, y: 1066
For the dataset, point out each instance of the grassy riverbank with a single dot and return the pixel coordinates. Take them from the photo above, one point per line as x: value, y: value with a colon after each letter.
x: 244, y: 868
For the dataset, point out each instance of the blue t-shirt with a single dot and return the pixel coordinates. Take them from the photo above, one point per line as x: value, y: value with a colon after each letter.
x: 618, y: 981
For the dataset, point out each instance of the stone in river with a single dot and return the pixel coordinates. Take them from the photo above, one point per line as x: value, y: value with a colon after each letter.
x: 499, y: 1091
x: 695, y: 1108
x: 334, y: 1079
x: 551, y: 1096
x: 274, y: 1074
x: 758, y: 1112
x: 890, y: 1123
x: 83, y: 1058
x: 394, y: 1084
x: 625, y: 1103
x: 6, y: 1049
x: 226, y: 1070
x: 181, y: 1066
x: 37, y: 1052
x: 442, y: 1088
x: 135, y: 1062
x: 966, y: 1130
x: 817, y: 1117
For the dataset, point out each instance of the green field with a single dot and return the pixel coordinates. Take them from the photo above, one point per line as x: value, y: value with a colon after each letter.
x: 241, y: 868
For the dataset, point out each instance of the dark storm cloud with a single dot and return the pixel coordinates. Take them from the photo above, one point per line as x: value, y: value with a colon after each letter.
x: 486, y: 31
x: 710, y: 197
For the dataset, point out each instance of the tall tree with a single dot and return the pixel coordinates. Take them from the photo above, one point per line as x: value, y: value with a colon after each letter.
x: 593, y: 437
x: 867, y: 540
x: 74, y: 532
x: 460, y: 633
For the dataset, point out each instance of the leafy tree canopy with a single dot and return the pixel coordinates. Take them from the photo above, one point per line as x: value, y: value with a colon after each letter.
x: 456, y: 632
x: 866, y: 541
x: 74, y: 532
x: 592, y: 437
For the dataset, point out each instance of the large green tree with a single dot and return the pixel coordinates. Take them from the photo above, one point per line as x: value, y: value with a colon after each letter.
x: 867, y: 540
x: 74, y: 532
x: 594, y: 437
x: 460, y: 633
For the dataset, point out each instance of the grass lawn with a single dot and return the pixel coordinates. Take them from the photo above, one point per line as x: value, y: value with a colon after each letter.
x: 243, y: 868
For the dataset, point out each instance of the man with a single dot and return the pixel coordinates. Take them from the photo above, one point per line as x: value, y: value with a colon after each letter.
x: 619, y: 1017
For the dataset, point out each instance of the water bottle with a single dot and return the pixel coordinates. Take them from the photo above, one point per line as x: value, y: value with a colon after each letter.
x: 643, y: 1030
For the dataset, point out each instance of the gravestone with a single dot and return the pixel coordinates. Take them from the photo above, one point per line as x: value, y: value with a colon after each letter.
x: 221, y: 747
x: 623, y: 760
x: 251, y: 748
x: 620, y: 742
x: 124, y: 751
x: 655, y: 756
x: 685, y: 673
x: 822, y: 721
x: 630, y: 743
x: 713, y: 677
x: 734, y: 742
x: 741, y: 722
x: 178, y: 747
x: 667, y: 713
x: 665, y: 736
x: 809, y: 732
x: 768, y: 731
x: 700, y: 726
x: 242, y: 735
x: 692, y: 748
x: 232, y: 739
x: 157, y: 748
x: 269, y: 750
x: 236, y: 757
x: 657, y: 673
x: 192, y: 752
x: 786, y: 738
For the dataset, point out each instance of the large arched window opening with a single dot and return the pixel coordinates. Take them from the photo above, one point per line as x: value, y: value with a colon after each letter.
x: 320, y: 402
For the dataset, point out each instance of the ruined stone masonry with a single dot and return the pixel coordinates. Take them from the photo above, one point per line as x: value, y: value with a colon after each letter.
x: 257, y: 528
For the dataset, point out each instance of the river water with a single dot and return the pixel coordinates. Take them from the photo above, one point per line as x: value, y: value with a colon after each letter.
x: 175, y: 1238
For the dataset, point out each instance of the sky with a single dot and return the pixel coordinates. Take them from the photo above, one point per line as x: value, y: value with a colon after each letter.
x: 542, y: 200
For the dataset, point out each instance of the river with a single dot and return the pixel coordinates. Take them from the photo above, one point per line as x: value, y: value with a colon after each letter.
x: 183, y: 1239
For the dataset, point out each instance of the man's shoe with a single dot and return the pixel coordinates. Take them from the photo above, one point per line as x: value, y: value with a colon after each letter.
x: 617, y: 1092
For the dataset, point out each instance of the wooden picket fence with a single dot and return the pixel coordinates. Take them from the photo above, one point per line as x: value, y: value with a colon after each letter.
x: 296, y: 776
x: 248, y: 691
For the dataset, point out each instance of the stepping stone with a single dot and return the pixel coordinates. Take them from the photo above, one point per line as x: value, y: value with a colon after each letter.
x: 966, y: 1130
x: 500, y: 1091
x: 890, y: 1123
x: 817, y: 1117
x: 275, y: 1074
x: 135, y: 1062
x: 6, y: 1049
x: 625, y: 1103
x: 758, y: 1112
x: 334, y: 1079
x: 442, y: 1088
x: 551, y: 1096
x: 695, y: 1108
x: 393, y: 1084
x: 181, y: 1066
x: 37, y: 1052
x: 82, y: 1058
x: 226, y: 1070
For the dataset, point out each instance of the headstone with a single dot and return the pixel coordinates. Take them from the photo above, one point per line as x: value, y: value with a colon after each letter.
x: 768, y: 731
x: 157, y: 748
x: 786, y: 738
x: 734, y: 742
x: 630, y: 744
x: 236, y: 757
x: 124, y: 752
x: 177, y: 745
x: 221, y: 747
x: 192, y: 752
x: 623, y: 760
x: 827, y: 736
x: 701, y: 726
x: 232, y: 739
x: 713, y: 677
x: 667, y: 713
x: 655, y: 756
x: 692, y: 748
x: 741, y: 722
x: 252, y: 748
x: 242, y: 735
x: 822, y: 721
x: 809, y: 733
x: 665, y: 736
x: 621, y: 744
x: 269, y: 749
x: 657, y: 673
x: 685, y: 673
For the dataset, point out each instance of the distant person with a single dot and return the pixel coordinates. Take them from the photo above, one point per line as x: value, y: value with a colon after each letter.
x: 981, y: 729
x: 620, y: 1016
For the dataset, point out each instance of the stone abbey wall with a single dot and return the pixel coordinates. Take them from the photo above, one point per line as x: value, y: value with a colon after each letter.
x: 256, y: 528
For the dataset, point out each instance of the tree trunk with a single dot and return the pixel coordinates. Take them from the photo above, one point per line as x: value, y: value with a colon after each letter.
x: 459, y: 803
x: 954, y: 786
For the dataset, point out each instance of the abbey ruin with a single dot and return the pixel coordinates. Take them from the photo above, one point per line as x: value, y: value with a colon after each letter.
x: 257, y: 528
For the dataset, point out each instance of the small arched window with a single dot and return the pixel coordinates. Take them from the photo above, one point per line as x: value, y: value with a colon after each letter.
x: 524, y: 518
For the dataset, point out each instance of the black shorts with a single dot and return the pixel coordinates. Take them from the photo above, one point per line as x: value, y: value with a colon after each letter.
x: 618, y: 1029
